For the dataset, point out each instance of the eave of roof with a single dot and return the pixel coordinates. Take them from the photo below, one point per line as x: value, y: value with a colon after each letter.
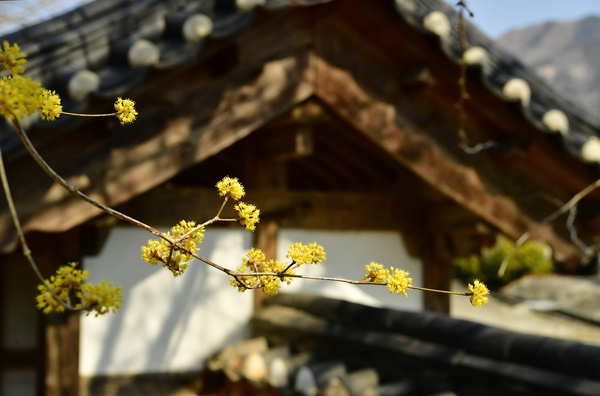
x: 105, y: 48
x: 506, y: 77
x: 103, y: 36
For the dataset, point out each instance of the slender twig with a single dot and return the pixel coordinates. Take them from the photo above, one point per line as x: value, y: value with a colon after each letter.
x: 26, y: 250
x: 289, y: 266
x: 553, y: 216
x: 570, y: 223
x: 222, y: 206
x: 90, y: 115
x: 463, y: 6
x: 74, y: 190
x: 462, y: 84
x: 333, y: 279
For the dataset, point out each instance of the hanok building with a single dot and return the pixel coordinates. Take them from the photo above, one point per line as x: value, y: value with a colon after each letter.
x: 340, y: 119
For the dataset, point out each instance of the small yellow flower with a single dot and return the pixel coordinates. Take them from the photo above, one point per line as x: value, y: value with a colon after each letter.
x: 231, y: 187
x: 68, y: 284
x: 175, y: 261
x: 125, y: 109
x: 151, y: 253
x: 271, y: 284
x: 11, y: 58
x: 253, y: 262
x: 67, y: 278
x: 50, y: 106
x: 102, y: 298
x: 398, y: 281
x: 312, y: 253
x: 19, y: 96
x: 376, y: 273
x: 254, y: 257
x: 479, y: 292
x: 248, y: 215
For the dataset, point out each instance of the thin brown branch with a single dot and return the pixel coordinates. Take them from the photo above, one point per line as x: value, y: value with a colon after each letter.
x: 553, y: 216
x: 74, y: 190
x: 462, y: 84
x: 26, y: 250
x: 237, y: 275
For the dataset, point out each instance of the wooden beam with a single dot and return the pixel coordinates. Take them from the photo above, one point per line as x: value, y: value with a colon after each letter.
x: 411, y: 146
x: 298, y: 209
x: 289, y: 143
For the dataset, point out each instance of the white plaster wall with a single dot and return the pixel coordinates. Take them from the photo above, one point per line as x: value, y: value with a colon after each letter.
x: 166, y: 324
x: 347, y: 254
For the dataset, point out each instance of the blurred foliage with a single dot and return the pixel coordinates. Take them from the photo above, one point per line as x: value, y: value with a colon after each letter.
x: 532, y: 258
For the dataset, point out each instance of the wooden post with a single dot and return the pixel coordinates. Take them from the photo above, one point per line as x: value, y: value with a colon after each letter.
x: 60, y: 331
x: 62, y: 354
x: 437, y: 272
x: 266, y: 240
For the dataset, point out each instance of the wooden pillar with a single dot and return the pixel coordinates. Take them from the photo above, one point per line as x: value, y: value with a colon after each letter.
x: 437, y: 272
x: 265, y: 239
x: 60, y: 331
x: 62, y: 354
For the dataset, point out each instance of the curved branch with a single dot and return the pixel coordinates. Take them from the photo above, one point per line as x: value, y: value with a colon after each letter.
x: 553, y: 216
x: 26, y: 250
x: 74, y: 190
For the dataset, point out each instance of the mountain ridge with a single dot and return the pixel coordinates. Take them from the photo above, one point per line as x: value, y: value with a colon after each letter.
x: 565, y: 54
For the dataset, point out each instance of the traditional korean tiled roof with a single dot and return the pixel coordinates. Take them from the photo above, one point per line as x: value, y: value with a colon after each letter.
x: 507, y: 77
x: 318, y: 343
x: 106, y: 47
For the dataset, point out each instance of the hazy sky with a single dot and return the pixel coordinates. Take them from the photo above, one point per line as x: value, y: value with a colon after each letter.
x: 495, y: 17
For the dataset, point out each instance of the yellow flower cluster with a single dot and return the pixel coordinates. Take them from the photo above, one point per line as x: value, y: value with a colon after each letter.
x: 19, y: 96
x: 479, y: 292
x: 231, y: 187
x: 255, y: 262
x: 125, y: 109
x: 67, y: 278
x: 271, y: 284
x: 102, y: 298
x: 11, y: 58
x: 50, y: 108
x: 397, y: 282
x: 249, y: 215
x: 306, y: 254
x: 171, y: 257
x: 68, y: 284
x: 376, y: 273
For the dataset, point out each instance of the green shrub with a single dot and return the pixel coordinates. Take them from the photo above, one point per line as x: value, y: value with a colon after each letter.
x: 531, y: 258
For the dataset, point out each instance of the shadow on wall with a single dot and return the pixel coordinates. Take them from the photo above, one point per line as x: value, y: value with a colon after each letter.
x: 165, y: 324
x: 347, y: 254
